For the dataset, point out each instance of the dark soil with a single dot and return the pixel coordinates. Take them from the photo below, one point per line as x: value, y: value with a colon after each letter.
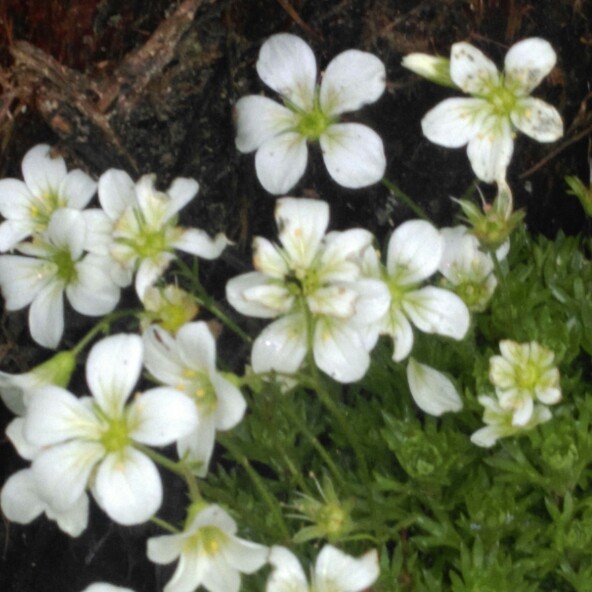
x: 93, y: 79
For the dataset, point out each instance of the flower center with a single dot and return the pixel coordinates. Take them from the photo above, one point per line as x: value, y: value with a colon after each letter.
x: 116, y: 437
x: 502, y: 99
x: 527, y: 376
x: 313, y: 124
x: 208, y: 539
x: 66, y: 269
x: 201, y: 391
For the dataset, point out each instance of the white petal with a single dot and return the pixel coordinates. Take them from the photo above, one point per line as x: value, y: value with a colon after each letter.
x: 181, y: 192
x: 335, y: 301
x: 99, y: 231
x: 281, y: 346
x: 112, y: 371
x: 55, y: 415
x: 372, y: 303
x: 351, y: 80
x: 231, y: 403
x: 244, y: 556
x: 302, y: 224
x: 527, y: 63
x: 197, y: 346
x: 190, y: 573
x: 22, y: 278
x: 487, y: 437
x: 334, y: 570
x: 67, y: 230
x: 471, y: 70
x: 19, y: 499
x: 64, y: 471
x: 537, y: 119
x: 287, y: 575
x: 160, y: 416
x: 150, y: 270
x: 128, y: 487
x: 339, y: 351
x: 165, y: 548
x: 353, y: 154
x: 341, y: 257
x: 246, y: 293
x: 41, y: 172
x: 453, y: 122
x: 269, y: 259
x: 78, y: 189
x: 46, y: 316
x: 198, y: 446
x: 281, y: 161
x: 104, y: 587
x: 15, y: 200
x: 74, y: 520
x: 287, y: 65
x: 399, y: 328
x: 414, y: 252
x: 117, y: 191
x: 220, y: 577
x: 13, y: 232
x: 15, y: 432
x: 435, y: 310
x: 432, y: 391
x: 258, y: 119
x: 93, y: 293
x: 199, y: 243
x: 161, y: 356
x: 490, y: 151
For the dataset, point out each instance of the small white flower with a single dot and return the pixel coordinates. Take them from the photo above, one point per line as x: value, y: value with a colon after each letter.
x: 523, y: 374
x: 145, y: 232
x: 209, y: 552
x: 433, y: 392
x: 334, y: 571
x: 313, y: 283
x: 500, y: 422
x: 57, y: 263
x: 187, y: 362
x: 413, y: 255
x: 353, y: 153
x: 48, y: 186
x: 467, y: 269
x: 500, y: 103
x: 91, y: 441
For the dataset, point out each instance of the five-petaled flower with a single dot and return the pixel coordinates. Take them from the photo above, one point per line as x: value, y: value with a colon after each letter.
x: 353, y: 153
x: 209, y: 552
x: 144, y: 225
x: 500, y: 103
x: 48, y: 186
x: 313, y: 283
x: 93, y: 441
x: 334, y: 571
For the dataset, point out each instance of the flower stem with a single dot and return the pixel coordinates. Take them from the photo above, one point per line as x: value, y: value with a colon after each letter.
x: 405, y: 199
x: 164, y: 525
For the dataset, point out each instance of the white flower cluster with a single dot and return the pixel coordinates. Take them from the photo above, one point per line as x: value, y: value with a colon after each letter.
x: 88, y: 254
x: 526, y: 381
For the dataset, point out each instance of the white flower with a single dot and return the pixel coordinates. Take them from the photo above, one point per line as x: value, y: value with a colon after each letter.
x: 353, y: 153
x: 187, y: 362
x: 500, y: 422
x: 525, y: 372
x: 467, y: 269
x: 170, y: 307
x: 92, y: 441
x: 433, y: 392
x: 145, y: 231
x: 413, y: 255
x: 209, y: 552
x: 313, y: 283
x: 334, y: 571
x: 105, y: 587
x: 57, y: 264
x: 500, y: 103
x: 48, y: 186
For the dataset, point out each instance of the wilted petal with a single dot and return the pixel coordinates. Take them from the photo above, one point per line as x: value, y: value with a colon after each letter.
x: 280, y: 346
x: 199, y: 243
x: 112, y: 371
x: 281, y: 161
x: 471, y: 70
x: 435, y: 310
x: 41, y: 172
x: 353, y: 154
x: 258, y: 119
x: 150, y: 270
x: 414, y: 252
x: 339, y: 351
x: 453, y: 122
x: 490, y: 151
x: 334, y: 570
x: 287, y: 65
x: 537, y: 119
x: 432, y: 391
x: 160, y: 416
x: 351, y: 80
x: 527, y: 63
x: 128, y: 487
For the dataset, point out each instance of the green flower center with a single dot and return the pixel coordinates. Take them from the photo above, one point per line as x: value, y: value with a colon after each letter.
x: 313, y: 124
x: 65, y: 264
x: 202, y: 391
x: 502, y: 99
x: 116, y: 437
x: 303, y: 282
x: 150, y: 243
x: 208, y: 539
